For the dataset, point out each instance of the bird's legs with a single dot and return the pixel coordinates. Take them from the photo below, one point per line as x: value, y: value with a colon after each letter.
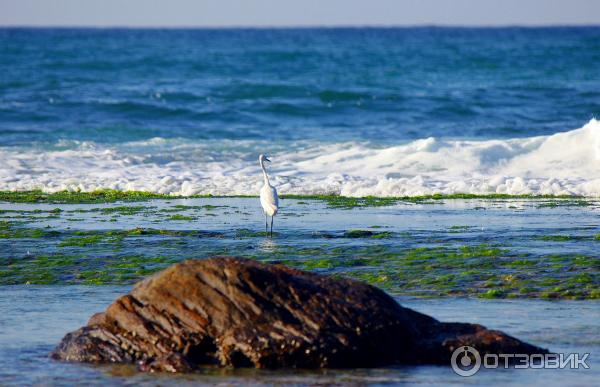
x: 272, y: 226
x: 266, y: 224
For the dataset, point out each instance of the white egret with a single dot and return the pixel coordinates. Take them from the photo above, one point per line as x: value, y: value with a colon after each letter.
x: 268, y: 196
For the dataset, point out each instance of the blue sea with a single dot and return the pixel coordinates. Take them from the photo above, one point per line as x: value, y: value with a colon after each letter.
x: 356, y: 111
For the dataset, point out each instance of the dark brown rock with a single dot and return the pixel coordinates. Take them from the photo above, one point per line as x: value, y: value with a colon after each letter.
x: 237, y: 312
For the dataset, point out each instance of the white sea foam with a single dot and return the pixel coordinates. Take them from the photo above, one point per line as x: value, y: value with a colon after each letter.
x: 565, y: 163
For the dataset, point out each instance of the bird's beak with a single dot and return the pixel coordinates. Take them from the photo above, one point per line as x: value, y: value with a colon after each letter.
x: 266, y: 159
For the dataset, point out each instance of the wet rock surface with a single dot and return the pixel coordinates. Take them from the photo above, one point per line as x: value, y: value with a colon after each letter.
x: 236, y: 312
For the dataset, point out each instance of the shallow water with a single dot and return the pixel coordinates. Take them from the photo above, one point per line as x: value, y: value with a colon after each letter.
x: 34, y: 319
x: 507, y: 248
x: 442, y: 250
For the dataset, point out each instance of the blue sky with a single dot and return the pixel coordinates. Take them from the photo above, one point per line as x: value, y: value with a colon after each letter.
x: 215, y: 13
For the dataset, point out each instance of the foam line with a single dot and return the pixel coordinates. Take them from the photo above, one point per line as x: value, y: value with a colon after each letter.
x: 566, y: 163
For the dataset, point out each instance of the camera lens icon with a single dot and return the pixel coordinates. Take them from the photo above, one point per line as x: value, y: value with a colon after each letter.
x: 465, y: 361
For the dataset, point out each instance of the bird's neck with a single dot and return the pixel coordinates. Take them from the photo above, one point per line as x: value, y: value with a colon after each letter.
x: 264, y: 171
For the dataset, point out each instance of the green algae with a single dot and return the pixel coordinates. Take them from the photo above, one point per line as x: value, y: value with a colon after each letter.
x: 122, y: 210
x: 376, y: 278
x: 480, y: 270
x: 333, y: 201
x: 118, y: 235
x: 209, y: 207
x: 326, y: 263
x: 76, y: 269
x: 40, y: 270
x: 9, y: 230
x: 415, y: 263
x: 100, y: 196
x: 382, y: 235
x: 521, y: 263
x: 82, y: 241
x: 181, y: 217
x: 557, y: 238
x: 79, y: 239
x: 350, y: 202
x: 344, y: 202
x: 473, y: 270
x: 565, y: 203
x: 367, y: 234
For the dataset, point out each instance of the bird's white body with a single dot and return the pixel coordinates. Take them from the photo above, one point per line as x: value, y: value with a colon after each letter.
x: 268, y: 195
x: 269, y: 200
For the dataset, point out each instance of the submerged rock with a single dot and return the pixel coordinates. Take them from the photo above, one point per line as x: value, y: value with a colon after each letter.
x: 237, y: 312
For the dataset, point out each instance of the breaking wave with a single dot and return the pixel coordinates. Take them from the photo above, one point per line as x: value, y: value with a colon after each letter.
x: 566, y: 163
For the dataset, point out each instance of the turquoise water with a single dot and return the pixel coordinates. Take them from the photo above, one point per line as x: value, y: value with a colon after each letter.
x: 381, y: 85
x: 346, y: 111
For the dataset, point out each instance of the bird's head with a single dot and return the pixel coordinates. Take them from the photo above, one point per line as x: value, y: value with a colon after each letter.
x: 262, y: 158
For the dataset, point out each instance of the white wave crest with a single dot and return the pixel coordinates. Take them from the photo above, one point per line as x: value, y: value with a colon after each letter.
x: 565, y: 163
